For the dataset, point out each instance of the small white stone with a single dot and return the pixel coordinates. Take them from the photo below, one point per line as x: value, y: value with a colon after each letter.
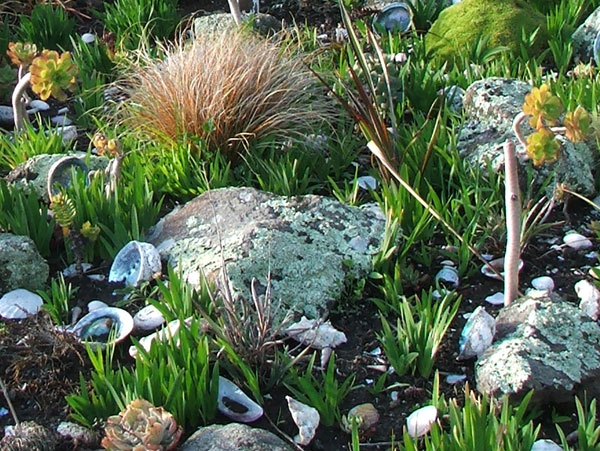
x: 454, y: 379
x: 419, y: 422
x: 6, y: 115
x: 577, y: 241
x: 61, y: 120
x: 95, y: 305
x: 495, y: 299
x: 477, y: 334
x: 545, y: 445
x: 148, y: 318
x: 38, y: 105
x: 63, y: 110
x: 448, y: 275
x: 543, y: 283
x: 69, y: 133
x: 71, y: 270
x: 589, y: 297
x: 366, y: 182
x: 88, y: 38
x: 19, y: 304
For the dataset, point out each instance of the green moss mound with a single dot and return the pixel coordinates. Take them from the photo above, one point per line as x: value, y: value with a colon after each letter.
x: 500, y: 21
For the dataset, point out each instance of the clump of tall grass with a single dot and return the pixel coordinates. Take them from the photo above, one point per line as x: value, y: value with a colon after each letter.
x: 228, y: 88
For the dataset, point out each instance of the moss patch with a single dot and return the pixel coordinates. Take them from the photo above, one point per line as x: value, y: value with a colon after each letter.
x: 500, y: 21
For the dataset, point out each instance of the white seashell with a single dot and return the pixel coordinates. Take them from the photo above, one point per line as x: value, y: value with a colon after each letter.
x: 148, y: 318
x: 449, y: 276
x: 589, y: 297
x: 543, y: 283
x: 136, y: 262
x: 88, y: 38
x: 477, y: 335
x: 96, y: 326
x: 231, y: 398
x: 19, y: 304
x: 495, y: 299
x: 95, y: 305
x: 306, y: 418
x: 61, y: 120
x: 498, y: 265
x: 163, y: 334
x: 366, y: 182
x: 545, y: 445
x: 577, y: 241
x: 315, y: 334
x: 453, y: 379
x: 419, y: 422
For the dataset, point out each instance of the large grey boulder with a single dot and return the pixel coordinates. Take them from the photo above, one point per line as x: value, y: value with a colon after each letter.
x: 584, y: 36
x: 310, y: 245
x: 233, y: 437
x: 264, y: 24
x: 33, y: 174
x: 545, y: 344
x: 21, y: 265
x: 490, y: 106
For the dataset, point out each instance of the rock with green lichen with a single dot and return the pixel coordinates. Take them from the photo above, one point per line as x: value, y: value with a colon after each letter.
x: 490, y: 106
x: 310, y: 245
x: 21, y: 265
x: 234, y: 437
x: 498, y: 21
x: 584, y: 36
x: 34, y: 172
x: 545, y: 344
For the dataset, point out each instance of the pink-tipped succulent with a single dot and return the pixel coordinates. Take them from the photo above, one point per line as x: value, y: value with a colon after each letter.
x: 141, y: 426
x: 21, y: 53
x: 52, y: 73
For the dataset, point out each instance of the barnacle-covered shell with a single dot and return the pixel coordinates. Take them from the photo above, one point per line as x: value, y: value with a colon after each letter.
x: 365, y: 415
x: 97, y: 325
x: 395, y: 17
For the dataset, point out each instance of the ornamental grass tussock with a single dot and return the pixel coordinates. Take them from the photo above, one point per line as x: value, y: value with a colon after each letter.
x: 227, y: 88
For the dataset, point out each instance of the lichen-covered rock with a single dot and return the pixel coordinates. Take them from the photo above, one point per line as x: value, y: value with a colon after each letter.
x: 264, y: 24
x: 498, y: 21
x: 584, y: 36
x: 233, y: 437
x: 490, y: 106
x: 545, y: 344
x: 310, y: 245
x: 33, y: 174
x: 21, y: 265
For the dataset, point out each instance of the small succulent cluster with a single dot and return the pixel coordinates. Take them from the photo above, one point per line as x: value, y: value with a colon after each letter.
x: 105, y: 146
x: 52, y: 73
x: 545, y: 109
x: 394, y: 64
x: 141, y: 426
x: 22, y: 53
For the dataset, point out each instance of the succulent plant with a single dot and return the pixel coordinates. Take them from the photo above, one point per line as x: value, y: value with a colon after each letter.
x: 141, y: 426
x: 89, y: 231
x: 51, y: 74
x: 543, y: 106
x: 542, y: 147
x: 64, y: 210
x: 578, y: 124
x: 21, y: 53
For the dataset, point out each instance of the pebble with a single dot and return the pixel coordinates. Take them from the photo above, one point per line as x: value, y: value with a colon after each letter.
x: 477, y: 335
x: 545, y: 445
x: 449, y: 276
x: 88, y: 38
x: 61, y: 120
x: 577, y: 241
x: 543, y: 283
x: 38, y: 105
x: 495, y: 299
x: 454, y: 379
x: 589, y: 297
x: 6, y: 115
x: 95, y: 305
x: 147, y: 319
x: 419, y: 422
x: 366, y: 182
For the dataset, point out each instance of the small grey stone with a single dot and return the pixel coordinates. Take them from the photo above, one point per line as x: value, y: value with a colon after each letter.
x: 583, y: 38
x: 234, y: 437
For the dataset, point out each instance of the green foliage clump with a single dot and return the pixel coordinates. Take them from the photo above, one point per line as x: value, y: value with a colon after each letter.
x: 500, y: 22
x: 48, y: 27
